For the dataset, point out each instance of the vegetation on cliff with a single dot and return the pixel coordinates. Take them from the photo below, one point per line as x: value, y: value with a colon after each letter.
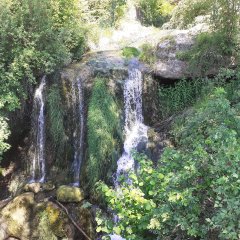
x: 192, y: 191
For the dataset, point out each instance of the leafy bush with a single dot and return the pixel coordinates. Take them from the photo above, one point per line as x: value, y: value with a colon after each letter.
x: 154, y: 12
x: 183, y: 94
x: 148, y: 54
x: 4, y: 134
x: 194, y: 191
x: 106, y: 12
x: 225, y: 20
x: 37, y: 37
x: 187, y: 10
x: 186, y: 93
x: 208, y: 53
x: 103, y: 122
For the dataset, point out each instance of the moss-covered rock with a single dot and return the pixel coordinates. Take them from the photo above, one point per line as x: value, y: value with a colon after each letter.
x: 32, y: 187
x: 25, y: 219
x: 50, y: 222
x: 15, y: 218
x: 69, y: 194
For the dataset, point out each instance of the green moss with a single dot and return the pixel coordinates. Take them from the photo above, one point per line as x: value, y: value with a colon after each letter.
x: 130, y: 52
x: 148, y: 54
x: 69, y: 194
x: 56, y: 121
x: 103, y: 136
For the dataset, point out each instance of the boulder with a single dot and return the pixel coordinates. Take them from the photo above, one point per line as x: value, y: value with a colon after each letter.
x: 15, y: 218
x: 23, y: 218
x: 168, y: 65
x: 32, y: 187
x: 69, y: 194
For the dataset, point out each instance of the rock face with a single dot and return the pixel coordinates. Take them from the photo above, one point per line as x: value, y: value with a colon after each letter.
x: 69, y: 194
x: 168, y: 65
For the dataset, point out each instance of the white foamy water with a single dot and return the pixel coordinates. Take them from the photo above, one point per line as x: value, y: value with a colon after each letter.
x: 38, y: 167
x: 135, y: 130
x: 78, y: 113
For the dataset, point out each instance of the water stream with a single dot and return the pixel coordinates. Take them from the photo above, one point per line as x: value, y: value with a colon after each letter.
x: 78, y: 114
x: 38, y: 165
x: 135, y: 130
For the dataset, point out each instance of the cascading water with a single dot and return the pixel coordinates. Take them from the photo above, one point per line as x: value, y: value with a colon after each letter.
x: 135, y: 130
x: 38, y: 166
x: 78, y: 114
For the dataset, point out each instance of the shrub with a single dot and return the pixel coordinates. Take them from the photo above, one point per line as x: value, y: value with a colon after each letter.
x: 148, y: 54
x: 186, y: 93
x: 106, y: 13
x: 194, y: 191
x: 4, y: 134
x: 187, y: 10
x: 154, y: 12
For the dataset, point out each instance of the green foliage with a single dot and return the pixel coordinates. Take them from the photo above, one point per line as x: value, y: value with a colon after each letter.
x: 4, y: 134
x: 103, y: 139
x: 56, y: 120
x: 194, y: 191
x: 225, y: 20
x: 186, y: 93
x: 36, y: 38
x: 183, y: 94
x: 148, y: 54
x: 212, y: 49
x: 187, y: 10
x: 105, y: 12
x: 154, y: 12
x: 130, y: 52
x: 209, y: 52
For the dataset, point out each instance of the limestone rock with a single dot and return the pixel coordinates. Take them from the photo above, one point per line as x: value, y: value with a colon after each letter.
x: 32, y: 187
x: 168, y: 66
x: 69, y: 194
x: 15, y: 217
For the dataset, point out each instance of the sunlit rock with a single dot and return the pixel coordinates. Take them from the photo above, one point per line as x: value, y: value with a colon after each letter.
x: 69, y: 194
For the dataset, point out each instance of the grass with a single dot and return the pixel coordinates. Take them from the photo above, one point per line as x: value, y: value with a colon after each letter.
x: 103, y: 136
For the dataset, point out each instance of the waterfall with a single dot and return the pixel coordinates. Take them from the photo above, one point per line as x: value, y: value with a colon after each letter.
x: 78, y: 115
x: 135, y: 130
x: 38, y: 165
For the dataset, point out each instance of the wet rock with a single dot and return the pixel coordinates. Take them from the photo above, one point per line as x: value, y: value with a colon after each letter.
x: 48, y: 186
x: 69, y: 194
x: 157, y: 141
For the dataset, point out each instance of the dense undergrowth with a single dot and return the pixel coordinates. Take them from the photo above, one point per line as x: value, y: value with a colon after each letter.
x: 194, y: 190
x: 185, y: 93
